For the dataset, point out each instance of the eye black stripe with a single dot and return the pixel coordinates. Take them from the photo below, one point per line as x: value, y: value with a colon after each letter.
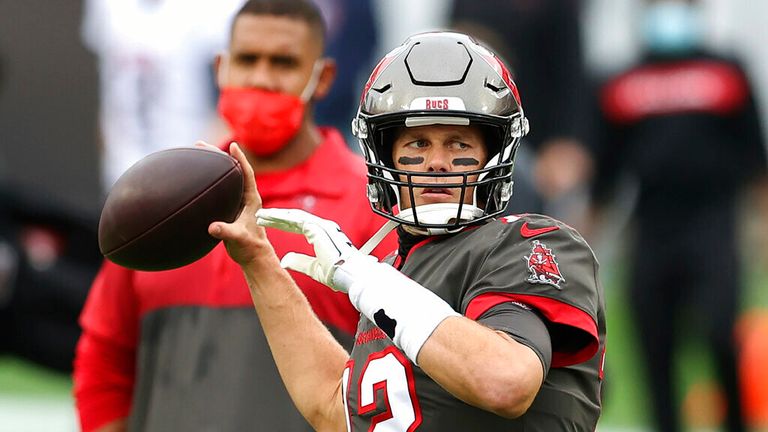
x: 405, y: 160
x: 466, y: 162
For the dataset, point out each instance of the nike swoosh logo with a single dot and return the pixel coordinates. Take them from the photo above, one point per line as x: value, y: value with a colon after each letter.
x: 528, y: 232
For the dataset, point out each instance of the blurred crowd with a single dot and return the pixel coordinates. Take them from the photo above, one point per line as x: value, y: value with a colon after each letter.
x: 648, y: 123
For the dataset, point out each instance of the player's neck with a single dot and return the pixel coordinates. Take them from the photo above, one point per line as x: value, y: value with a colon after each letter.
x: 406, y: 239
x: 296, y: 151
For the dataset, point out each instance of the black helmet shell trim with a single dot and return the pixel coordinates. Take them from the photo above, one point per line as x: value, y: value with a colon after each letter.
x: 440, y: 78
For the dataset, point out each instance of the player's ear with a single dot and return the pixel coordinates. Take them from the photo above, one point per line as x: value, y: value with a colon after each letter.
x: 325, y: 79
x: 219, y: 68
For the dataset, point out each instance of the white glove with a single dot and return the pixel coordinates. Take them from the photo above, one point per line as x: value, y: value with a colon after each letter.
x: 406, y: 311
x: 332, y: 246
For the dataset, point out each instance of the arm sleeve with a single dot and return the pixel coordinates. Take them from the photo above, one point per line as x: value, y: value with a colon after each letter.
x: 103, y: 381
x: 105, y: 356
x: 524, y: 325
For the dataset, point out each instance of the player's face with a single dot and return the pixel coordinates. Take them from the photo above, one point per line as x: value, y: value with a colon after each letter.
x: 271, y: 53
x: 439, y: 149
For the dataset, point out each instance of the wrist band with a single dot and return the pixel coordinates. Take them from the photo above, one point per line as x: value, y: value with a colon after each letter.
x: 406, y: 311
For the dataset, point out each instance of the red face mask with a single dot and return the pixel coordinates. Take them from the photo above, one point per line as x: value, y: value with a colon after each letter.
x: 262, y: 122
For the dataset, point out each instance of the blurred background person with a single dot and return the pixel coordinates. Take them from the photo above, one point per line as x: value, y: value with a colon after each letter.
x: 156, y: 90
x: 156, y: 73
x: 155, y: 70
x: 182, y: 349
x: 682, y: 121
x: 542, y: 42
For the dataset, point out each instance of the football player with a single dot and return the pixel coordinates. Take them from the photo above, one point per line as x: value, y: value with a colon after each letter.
x: 478, y: 322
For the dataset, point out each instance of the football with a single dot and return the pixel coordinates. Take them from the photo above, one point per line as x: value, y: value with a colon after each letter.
x: 157, y: 214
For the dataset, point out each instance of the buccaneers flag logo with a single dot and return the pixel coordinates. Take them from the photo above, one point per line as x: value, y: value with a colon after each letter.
x: 543, y: 267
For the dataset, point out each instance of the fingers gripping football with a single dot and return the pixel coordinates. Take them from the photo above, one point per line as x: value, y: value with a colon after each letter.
x: 332, y: 246
x: 243, y: 238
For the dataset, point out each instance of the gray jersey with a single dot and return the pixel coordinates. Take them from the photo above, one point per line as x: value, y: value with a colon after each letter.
x: 533, y: 261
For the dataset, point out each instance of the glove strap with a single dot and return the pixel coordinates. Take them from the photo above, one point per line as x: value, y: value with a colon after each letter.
x: 406, y: 311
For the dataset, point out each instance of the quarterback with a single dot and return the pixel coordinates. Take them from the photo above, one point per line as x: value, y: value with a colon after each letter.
x: 477, y: 322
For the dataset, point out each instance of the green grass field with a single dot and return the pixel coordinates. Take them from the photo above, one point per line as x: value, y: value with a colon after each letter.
x: 34, y: 399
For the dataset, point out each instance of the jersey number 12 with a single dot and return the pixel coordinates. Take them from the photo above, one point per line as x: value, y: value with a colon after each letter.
x: 386, y: 374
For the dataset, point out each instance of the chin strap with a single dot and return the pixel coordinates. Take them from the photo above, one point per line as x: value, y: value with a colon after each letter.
x: 438, y: 214
x: 430, y: 231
